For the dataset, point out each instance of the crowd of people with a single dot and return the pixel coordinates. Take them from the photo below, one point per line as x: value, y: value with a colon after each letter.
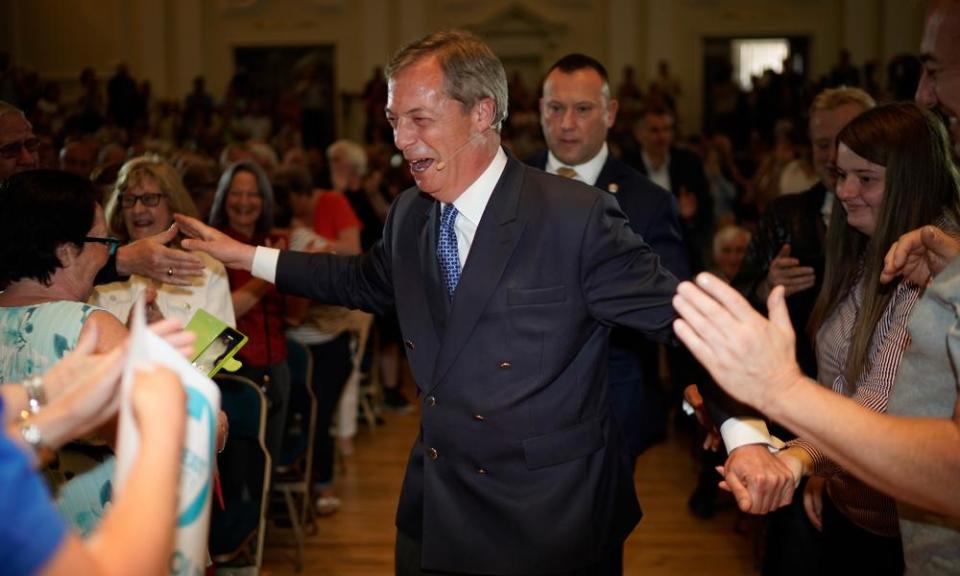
x: 531, y: 271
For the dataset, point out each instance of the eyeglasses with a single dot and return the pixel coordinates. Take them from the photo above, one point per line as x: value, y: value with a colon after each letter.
x: 148, y: 200
x: 13, y: 149
x: 111, y: 242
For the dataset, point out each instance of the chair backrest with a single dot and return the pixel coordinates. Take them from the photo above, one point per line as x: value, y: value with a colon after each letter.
x: 244, y: 467
x: 302, y: 413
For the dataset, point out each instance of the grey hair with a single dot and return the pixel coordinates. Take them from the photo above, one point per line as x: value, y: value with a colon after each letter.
x: 8, y: 108
x: 471, y: 70
x: 354, y: 153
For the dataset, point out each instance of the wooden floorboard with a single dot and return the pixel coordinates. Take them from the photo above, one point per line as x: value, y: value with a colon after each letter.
x: 358, y: 540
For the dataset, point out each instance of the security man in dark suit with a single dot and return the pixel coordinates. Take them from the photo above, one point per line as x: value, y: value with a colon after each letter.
x: 506, y: 282
x: 576, y: 112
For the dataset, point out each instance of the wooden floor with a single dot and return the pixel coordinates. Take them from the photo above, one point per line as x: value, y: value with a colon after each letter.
x: 358, y: 540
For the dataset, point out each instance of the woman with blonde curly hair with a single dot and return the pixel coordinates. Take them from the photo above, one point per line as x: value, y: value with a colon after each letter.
x: 147, y: 194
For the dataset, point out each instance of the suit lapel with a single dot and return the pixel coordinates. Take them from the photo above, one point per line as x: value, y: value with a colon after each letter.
x: 609, y: 174
x: 496, y: 238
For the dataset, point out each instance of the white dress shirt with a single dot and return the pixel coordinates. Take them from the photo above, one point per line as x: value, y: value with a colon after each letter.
x: 588, y: 172
x: 660, y: 176
x: 470, y: 207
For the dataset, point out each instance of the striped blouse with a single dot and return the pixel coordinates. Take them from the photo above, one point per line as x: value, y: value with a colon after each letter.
x: 863, y: 505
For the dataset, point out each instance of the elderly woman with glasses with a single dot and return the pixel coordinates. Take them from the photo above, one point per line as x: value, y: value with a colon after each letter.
x: 147, y: 194
x: 53, y: 241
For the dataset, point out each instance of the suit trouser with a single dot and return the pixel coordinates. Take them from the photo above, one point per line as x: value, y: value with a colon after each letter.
x: 408, y: 562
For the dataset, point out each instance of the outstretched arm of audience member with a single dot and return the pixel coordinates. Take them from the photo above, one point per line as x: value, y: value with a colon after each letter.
x: 151, y: 258
x: 753, y: 358
x: 919, y: 255
x: 136, y: 536
x: 207, y: 239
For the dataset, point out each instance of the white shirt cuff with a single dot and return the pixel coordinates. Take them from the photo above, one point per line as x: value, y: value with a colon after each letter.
x: 265, y: 264
x: 737, y: 432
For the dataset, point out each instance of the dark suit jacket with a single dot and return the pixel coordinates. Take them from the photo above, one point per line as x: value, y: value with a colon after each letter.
x: 686, y: 171
x: 652, y: 212
x: 517, y: 469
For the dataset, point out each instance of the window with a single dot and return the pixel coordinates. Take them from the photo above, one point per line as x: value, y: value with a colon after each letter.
x: 753, y: 57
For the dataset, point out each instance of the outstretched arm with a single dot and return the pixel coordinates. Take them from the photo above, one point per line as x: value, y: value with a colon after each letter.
x: 136, y: 536
x: 914, y: 459
x: 919, y: 255
x: 151, y: 258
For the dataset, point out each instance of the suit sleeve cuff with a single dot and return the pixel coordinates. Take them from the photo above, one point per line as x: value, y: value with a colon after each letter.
x: 265, y: 264
x: 737, y: 432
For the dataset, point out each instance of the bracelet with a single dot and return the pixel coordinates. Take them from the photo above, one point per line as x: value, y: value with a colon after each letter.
x: 31, y: 434
x: 35, y: 394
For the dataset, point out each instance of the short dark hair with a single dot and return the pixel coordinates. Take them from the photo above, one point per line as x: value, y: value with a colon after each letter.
x: 42, y: 210
x: 577, y: 61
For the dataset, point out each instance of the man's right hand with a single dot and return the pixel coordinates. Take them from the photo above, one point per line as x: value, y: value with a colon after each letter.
x: 787, y: 272
x: 760, y: 482
x: 232, y: 253
x: 920, y: 255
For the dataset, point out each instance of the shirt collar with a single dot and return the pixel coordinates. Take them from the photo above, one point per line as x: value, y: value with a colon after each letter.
x: 650, y: 169
x: 588, y: 172
x: 474, y: 199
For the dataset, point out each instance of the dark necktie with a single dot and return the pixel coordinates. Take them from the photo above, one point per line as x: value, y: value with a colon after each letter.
x: 447, y: 254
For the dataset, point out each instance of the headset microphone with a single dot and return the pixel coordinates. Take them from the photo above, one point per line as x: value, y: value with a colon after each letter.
x: 443, y: 163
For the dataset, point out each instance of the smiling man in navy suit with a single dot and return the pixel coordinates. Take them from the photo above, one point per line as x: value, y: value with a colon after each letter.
x: 576, y: 112
x: 506, y: 281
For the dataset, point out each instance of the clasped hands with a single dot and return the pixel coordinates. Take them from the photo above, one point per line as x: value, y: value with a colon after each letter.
x: 753, y: 358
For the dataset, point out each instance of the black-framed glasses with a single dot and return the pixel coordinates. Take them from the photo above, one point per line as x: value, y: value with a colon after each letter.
x: 13, y: 149
x: 111, y: 242
x: 148, y: 200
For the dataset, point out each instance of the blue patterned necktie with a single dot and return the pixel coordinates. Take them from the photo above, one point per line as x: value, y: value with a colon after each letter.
x: 447, y: 254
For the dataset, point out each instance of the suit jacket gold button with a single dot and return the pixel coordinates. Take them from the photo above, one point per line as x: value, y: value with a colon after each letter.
x: 431, y: 401
x: 432, y: 453
x: 478, y: 417
x: 481, y: 471
x: 505, y: 364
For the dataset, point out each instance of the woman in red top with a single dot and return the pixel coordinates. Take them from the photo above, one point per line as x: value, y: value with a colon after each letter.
x: 243, y: 208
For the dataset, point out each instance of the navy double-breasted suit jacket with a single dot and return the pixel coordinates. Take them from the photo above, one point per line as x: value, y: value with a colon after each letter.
x: 517, y: 468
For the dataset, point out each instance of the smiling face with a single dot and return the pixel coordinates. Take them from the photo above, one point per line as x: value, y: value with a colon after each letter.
x: 860, y: 185
x: 939, y: 86
x: 243, y: 204
x: 141, y: 219
x: 433, y: 131
x: 575, y: 113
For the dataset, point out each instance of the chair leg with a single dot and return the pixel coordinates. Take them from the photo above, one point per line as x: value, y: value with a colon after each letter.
x: 297, y: 528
